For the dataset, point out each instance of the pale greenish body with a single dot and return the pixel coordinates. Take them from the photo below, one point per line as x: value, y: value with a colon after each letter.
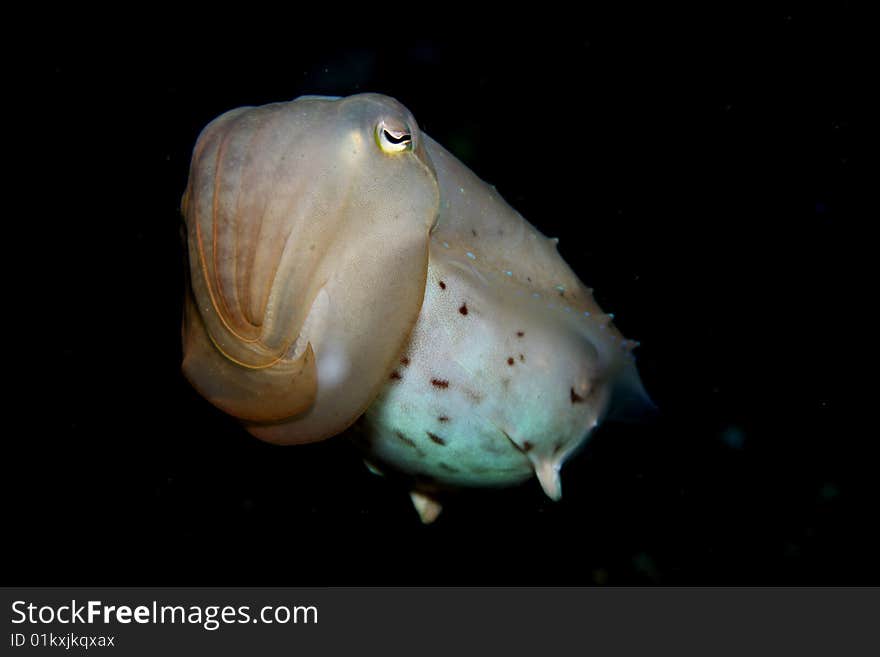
x: 506, y: 373
x: 485, y: 399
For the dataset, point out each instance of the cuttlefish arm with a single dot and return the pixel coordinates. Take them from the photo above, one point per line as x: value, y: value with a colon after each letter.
x: 308, y: 250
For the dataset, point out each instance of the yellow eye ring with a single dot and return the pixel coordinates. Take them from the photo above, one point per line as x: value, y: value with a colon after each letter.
x: 393, y: 139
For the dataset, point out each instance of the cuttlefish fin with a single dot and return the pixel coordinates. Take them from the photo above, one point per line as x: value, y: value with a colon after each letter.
x: 372, y: 468
x: 547, y: 471
x: 427, y: 507
x: 546, y: 467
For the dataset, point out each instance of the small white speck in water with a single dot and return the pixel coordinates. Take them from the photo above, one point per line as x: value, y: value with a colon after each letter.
x: 536, y: 295
x: 445, y: 245
x: 509, y: 273
x: 560, y: 288
x: 586, y: 313
x: 461, y: 189
x: 471, y: 255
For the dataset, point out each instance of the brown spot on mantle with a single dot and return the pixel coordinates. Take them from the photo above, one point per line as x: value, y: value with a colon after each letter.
x: 575, y: 398
x: 404, y: 439
x: 442, y: 285
x: 395, y: 375
x: 440, y: 383
x: 437, y: 439
x: 464, y: 309
x: 510, y: 361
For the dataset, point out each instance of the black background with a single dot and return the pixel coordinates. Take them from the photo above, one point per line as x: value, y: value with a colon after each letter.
x: 700, y: 171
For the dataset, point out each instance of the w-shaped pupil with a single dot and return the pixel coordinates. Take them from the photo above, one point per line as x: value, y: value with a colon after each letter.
x: 397, y: 140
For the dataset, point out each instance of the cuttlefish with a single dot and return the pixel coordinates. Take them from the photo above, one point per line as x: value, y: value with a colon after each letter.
x: 345, y: 268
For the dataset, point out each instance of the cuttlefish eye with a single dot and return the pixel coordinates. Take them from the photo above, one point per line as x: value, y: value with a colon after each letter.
x: 393, y: 138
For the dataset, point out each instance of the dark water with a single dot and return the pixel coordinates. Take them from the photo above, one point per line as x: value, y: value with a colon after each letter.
x: 699, y: 171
